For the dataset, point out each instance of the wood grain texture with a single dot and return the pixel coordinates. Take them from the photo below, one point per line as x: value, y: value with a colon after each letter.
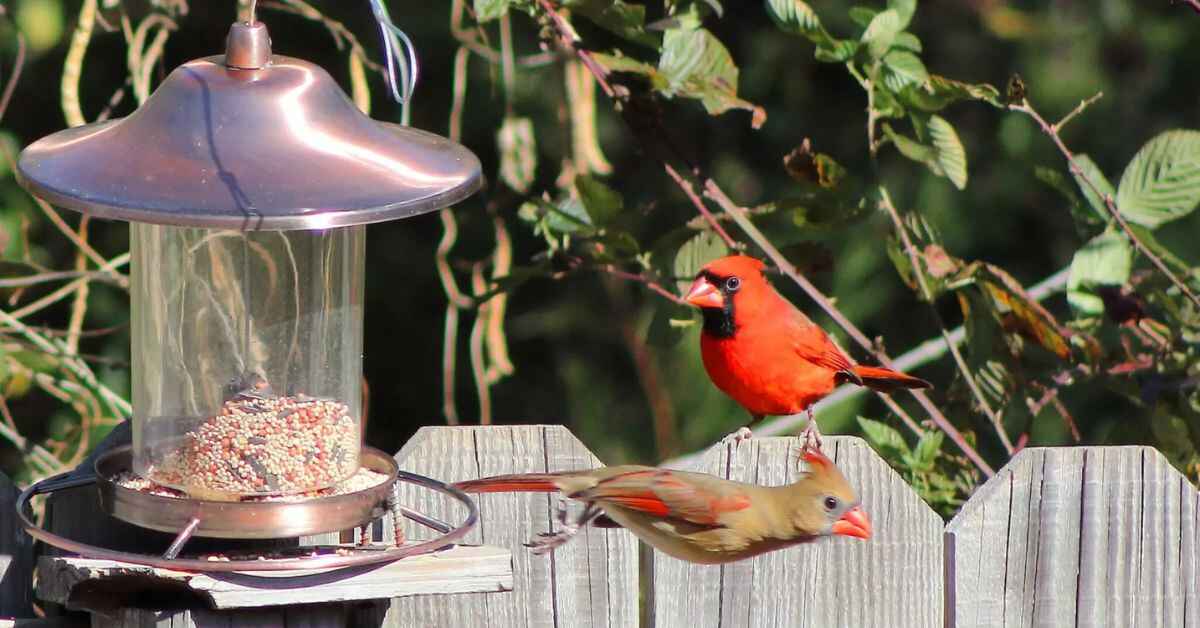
x: 1085, y: 536
x: 85, y: 583
x: 16, y: 557
x: 893, y: 580
x: 592, y: 581
x: 306, y: 616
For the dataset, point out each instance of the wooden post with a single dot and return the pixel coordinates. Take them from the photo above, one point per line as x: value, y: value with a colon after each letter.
x: 893, y: 579
x: 16, y: 557
x: 591, y: 581
x: 1084, y: 536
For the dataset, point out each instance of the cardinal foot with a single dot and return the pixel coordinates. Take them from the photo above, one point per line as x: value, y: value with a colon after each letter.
x: 548, y: 541
x: 737, y: 437
x: 811, y: 437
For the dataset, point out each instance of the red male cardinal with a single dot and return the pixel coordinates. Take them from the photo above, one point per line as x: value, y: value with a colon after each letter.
x: 766, y: 354
x: 694, y: 516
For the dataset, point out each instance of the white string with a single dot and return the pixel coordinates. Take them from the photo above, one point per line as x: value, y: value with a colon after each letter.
x: 399, y: 52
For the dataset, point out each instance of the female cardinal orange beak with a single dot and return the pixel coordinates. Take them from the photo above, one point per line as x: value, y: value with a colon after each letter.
x: 704, y: 294
x: 853, y: 523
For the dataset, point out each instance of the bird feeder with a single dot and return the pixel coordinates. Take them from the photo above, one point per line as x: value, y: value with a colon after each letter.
x: 247, y: 180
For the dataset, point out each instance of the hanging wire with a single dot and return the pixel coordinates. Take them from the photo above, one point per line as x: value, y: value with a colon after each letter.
x: 399, y: 53
x: 253, y: 11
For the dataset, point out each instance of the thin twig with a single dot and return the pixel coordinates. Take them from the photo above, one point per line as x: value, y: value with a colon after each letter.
x: 569, y: 40
x: 713, y: 191
x: 478, y: 366
x: 11, y: 85
x: 651, y: 284
x: 885, y: 202
x: 1110, y: 205
x: 79, y: 305
x: 686, y: 186
x: 46, y: 277
x: 67, y: 289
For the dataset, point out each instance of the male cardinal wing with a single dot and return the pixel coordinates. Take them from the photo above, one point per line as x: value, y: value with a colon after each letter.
x: 665, y: 494
x: 811, y: 343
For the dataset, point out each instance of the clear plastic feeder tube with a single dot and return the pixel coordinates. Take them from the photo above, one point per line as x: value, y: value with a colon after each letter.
x: 247, y: 358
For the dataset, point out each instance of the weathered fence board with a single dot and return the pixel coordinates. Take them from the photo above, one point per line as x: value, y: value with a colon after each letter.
x: 16, y: 556
x: 591, y: 581
x: 894, y: 579
x: 1085, y: 536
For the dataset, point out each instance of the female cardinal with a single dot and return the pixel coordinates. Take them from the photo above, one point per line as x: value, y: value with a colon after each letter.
x: 694, y: 516
x: 766, y: 354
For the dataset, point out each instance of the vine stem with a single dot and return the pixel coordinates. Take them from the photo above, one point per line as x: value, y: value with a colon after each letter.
x: 885, y: 202
x: 1052, y: 130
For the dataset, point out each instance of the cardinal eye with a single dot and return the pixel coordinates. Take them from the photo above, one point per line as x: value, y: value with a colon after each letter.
x: 831, y: 503
x: 732, y: 284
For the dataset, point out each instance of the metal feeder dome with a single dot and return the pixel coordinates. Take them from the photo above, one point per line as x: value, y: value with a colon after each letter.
x: 249, y: 141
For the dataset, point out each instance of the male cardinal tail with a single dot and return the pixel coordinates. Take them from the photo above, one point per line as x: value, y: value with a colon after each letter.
x: 886, y: 380
x: 522, y: 483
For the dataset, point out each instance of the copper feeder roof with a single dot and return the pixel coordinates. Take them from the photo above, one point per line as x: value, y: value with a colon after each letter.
x: 249, y: 141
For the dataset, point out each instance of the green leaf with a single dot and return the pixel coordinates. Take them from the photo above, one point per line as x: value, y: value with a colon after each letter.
x: 615, y: 16
x: 797, y: 18
x: 1092, y: 171
x: 487, y: 10
x: 694, y: 254
x: 862, y: 15
x: 906, y: 41
x: 696, y: 65
x: 951, y: 156
x: 518, y: 153
x: 904, y: 10
x: 1086, y: 221
x: 903, y: 68
x: 1162, y: 183
x: 1104, y: 260
x: 881, y: 32
x: 927, y: 449
x: 940, y: 92
x: 914, y: 150
x: 884, y: 438
x: 601, y: 202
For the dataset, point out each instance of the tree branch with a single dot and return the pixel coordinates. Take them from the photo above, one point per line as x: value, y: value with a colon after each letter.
x: 1110, y: 205
x: 885, y: 202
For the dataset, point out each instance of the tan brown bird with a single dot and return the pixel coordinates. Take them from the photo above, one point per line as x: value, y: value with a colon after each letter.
x: 697, y: 517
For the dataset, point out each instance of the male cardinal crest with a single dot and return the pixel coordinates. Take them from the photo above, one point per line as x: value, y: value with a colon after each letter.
x: 694, y: 516
x: 766, y: 354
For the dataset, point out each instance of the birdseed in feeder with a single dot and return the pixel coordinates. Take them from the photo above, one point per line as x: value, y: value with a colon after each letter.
x: 261, y: 444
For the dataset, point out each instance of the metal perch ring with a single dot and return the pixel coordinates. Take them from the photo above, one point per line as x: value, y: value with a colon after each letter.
x: 350, y: 557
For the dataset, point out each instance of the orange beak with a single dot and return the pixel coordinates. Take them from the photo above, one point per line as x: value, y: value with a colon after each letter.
x: 853, y: 523
x: 704, y: 294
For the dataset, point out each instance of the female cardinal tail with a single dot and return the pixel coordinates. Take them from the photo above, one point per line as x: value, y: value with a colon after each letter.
x: 885, y: 380
x: 525, y: 482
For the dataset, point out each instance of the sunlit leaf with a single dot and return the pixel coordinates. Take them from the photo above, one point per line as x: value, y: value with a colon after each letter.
x: 694, y: 254
x: 1105, y: 260
x: 951, y: 156
x: 903, y: 68
x: 884, y: 438
x: 904, y: 10
x: 487, y: 10
x: 907, y: 41
x: 928, y: 447
x: 696, y: 65
x: 518, y: 153
x: 1162, y: 182
x: 1093, y: 174
x: 881, y: 32
x: 796, y: 17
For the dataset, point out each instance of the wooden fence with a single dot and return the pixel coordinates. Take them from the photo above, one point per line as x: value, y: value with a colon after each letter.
x: 1086, y: 536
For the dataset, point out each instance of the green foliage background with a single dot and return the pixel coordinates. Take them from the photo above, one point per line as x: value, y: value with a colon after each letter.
x: 578, y: 337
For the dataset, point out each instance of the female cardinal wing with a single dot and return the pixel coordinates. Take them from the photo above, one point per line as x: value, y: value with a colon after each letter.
x: 666, y: 494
